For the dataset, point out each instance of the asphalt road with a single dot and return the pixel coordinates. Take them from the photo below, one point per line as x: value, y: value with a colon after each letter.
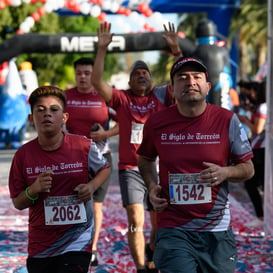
x: 5, y: 161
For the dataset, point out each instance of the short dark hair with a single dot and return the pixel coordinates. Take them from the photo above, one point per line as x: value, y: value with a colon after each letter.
x: 244, y: 84
x: 46, y: 91
x: 84, y: 61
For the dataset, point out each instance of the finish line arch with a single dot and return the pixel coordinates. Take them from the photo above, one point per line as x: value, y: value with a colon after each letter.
x: 85, y: 43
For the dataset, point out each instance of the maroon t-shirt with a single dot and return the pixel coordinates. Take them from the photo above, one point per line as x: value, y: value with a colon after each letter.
x: 182, y: 145
x: 132, y: 113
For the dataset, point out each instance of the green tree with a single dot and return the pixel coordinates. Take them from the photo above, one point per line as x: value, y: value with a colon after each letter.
x: 53, y: 68
x: 249, y: 23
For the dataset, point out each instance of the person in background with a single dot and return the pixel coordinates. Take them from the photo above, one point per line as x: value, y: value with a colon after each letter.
x: 50, y: 176
x: 255, y: 185
x: 244, y: 87
x: 245, y: 107
x: 200, y: 148
x: 234, y: 98
x: 90, y: 116
x: 133, y: 108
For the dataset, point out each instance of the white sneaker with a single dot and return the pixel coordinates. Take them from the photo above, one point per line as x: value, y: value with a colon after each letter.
x: 254, y: 223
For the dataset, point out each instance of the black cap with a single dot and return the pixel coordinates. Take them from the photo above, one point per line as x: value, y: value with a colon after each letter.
x: 185, y: 61
x: 139, y: 65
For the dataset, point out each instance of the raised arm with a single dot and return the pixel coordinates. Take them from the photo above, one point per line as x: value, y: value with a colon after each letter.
x: 256, y: 127
x: 172, y: 39
x: 104, y: 39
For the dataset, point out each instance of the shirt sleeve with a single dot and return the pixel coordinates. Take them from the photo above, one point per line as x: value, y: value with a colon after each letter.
x: 262, y: 110
x: 17, y: 182
x: 117, y: 98
x: 240, y: 147
x: 96, y: 160
x: 164, y: 95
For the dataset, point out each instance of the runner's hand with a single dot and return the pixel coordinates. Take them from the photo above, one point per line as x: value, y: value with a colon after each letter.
x: 158, y: 203
x: 104, y: 35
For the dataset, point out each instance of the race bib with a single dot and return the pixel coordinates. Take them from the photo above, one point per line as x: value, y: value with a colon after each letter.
x: 64, y: 210
x: 136, y: 133
x: 185, y: 190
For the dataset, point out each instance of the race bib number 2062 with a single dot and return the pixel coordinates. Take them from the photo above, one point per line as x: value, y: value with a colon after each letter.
x: 64, y: 210
x: 184, y: 189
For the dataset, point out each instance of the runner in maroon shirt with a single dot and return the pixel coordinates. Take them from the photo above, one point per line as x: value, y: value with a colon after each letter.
x: 50, y: 176
x: 134, y: 107
x: 200, y: 148
x: 90, y: 116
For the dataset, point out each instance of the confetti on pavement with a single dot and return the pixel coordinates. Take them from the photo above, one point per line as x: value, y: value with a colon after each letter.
x: 255, y: 252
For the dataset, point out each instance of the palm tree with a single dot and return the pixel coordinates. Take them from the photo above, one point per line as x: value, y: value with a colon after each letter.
x: 249, y: 23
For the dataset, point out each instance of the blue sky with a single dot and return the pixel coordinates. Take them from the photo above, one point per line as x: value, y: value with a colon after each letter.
x: 135, y: 22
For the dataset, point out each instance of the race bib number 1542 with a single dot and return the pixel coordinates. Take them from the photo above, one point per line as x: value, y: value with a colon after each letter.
x: 184, y: 189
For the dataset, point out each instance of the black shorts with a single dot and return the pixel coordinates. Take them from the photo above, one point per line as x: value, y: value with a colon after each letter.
x: 100, y: 193
x: 192, y: 251
x: 70, y: 262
